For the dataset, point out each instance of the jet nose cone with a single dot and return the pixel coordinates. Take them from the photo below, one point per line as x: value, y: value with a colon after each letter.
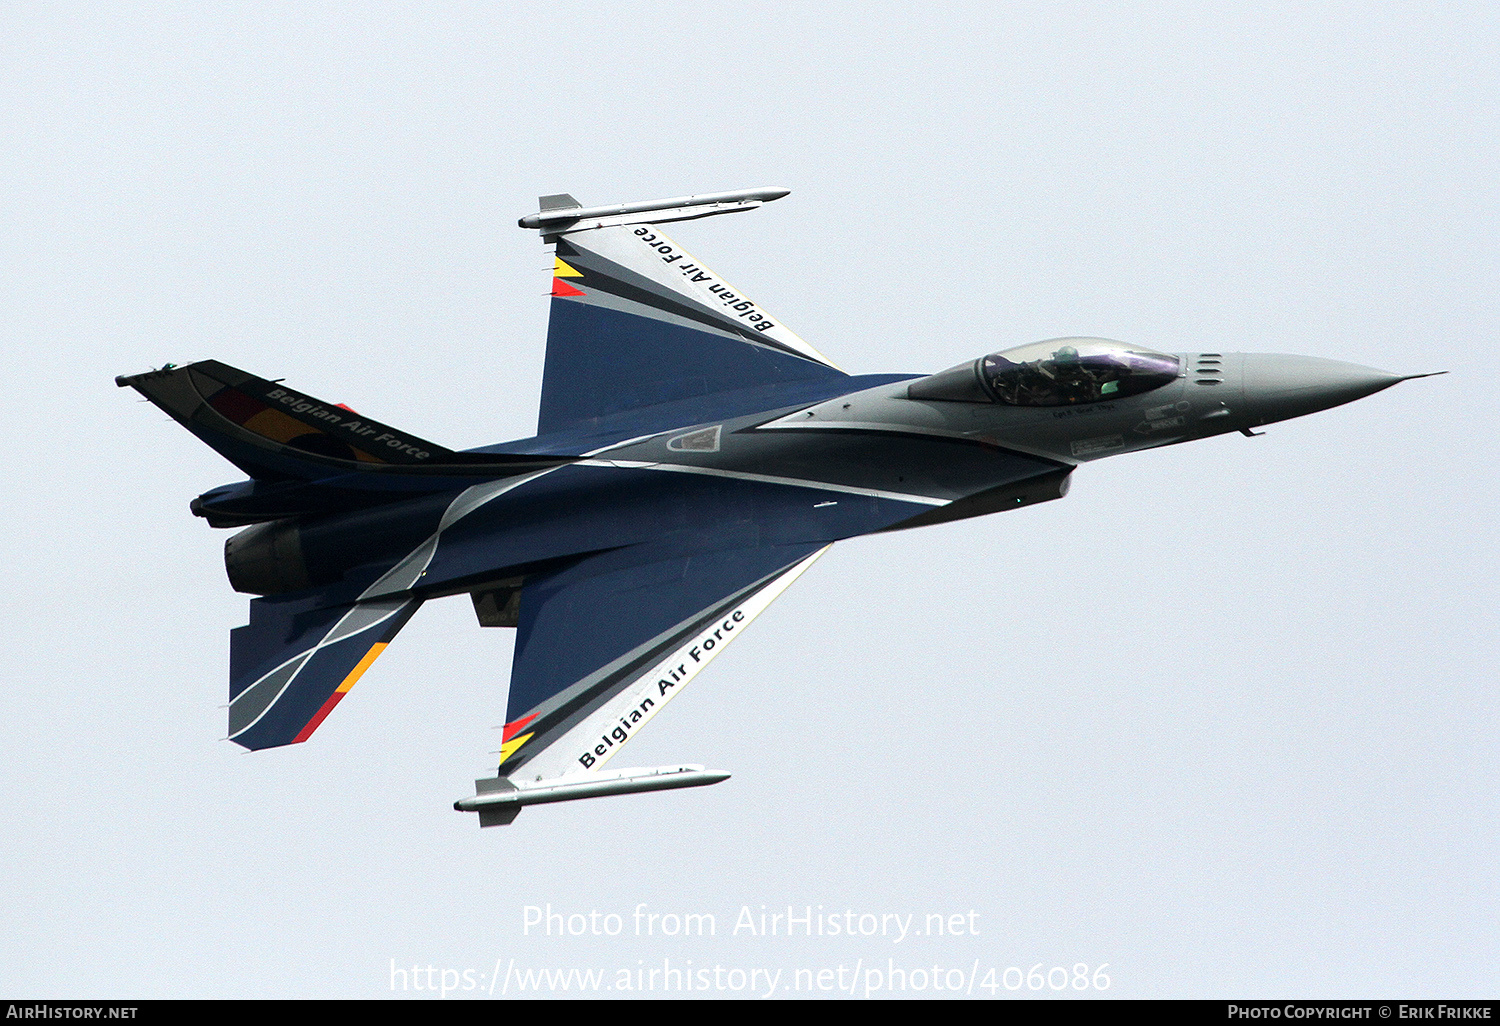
x: 1279, y: 387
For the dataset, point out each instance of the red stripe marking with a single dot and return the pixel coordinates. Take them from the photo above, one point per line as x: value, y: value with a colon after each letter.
x: 235, y: 405
x: 318, y: 717
x: 513, y: 728
x: 562, y: 288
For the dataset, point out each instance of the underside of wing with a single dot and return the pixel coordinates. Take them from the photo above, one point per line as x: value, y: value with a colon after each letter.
x: 636, y: 321
x: 605, y: 644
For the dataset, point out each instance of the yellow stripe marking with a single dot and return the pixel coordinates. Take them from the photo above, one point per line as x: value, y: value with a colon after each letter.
x: 277, y: 426
x: 562, y: 270
x: 511, y: 745
x: 364, y: 664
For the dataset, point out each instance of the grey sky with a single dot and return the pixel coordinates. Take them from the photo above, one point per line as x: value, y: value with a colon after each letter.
x: 1224, y: 718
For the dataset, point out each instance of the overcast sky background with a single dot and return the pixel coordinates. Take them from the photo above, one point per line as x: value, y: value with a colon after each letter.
x: 1223, y: 719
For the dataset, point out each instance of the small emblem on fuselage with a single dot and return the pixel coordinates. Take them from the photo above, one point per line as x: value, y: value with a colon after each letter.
x: 703, y: 440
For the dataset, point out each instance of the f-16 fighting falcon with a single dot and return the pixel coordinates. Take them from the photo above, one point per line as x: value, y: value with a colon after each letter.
x: 692, y: 458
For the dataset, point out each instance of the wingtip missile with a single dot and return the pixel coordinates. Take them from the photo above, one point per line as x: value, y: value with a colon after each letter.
x: 498, y: 800
x: 727, y: 202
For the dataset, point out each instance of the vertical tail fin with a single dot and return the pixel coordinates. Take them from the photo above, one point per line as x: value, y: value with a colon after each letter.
x: 273, y: 432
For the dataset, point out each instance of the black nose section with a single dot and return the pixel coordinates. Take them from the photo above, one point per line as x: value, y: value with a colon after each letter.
x: 1279, y: 387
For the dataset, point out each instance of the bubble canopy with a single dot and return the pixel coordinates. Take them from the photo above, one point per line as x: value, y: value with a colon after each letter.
x: 1057, y: 372
x: 1068, y: 371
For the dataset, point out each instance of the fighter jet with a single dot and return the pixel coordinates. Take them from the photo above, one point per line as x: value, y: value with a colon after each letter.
x: 693, y: 457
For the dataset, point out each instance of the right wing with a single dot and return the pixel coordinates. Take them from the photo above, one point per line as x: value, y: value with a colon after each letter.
x: 603, y: 646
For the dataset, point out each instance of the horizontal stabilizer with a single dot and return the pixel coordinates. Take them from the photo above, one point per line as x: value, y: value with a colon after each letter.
x: 296, y: 660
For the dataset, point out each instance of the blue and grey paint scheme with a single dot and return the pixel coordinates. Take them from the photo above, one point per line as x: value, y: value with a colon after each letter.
x: 693, y: 456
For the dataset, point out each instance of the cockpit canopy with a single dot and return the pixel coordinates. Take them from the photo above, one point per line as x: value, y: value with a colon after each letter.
x: 1065, y: 371
x: 1058, y: 372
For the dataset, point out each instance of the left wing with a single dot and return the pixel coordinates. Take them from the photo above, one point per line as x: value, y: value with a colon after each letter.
x: 637, y: 321
x: 602, y: 647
